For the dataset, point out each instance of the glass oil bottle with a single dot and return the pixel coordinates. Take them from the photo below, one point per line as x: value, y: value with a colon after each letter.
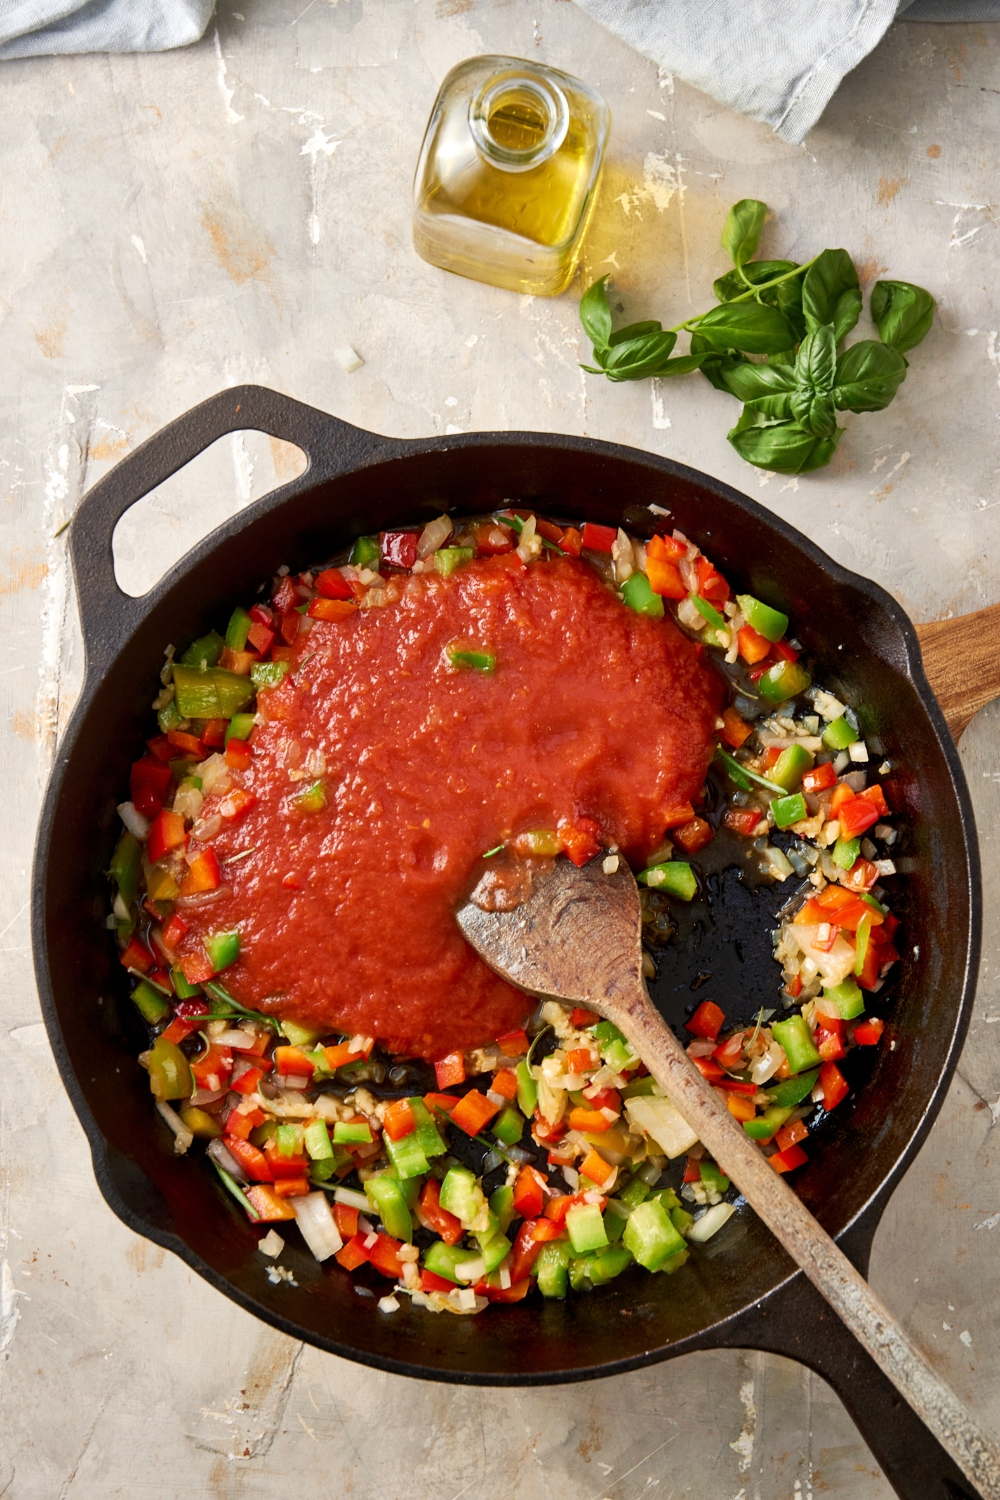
x: 508, y: 174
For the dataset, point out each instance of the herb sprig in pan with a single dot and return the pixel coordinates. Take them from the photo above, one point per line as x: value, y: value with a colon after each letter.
x: 793, y: 317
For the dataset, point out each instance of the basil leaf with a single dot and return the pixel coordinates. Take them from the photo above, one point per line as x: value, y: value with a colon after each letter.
x: 831, y: 294
x: 733, y: 284
x: 682, y: 365
x: 741, y: 231
x: 748, y: 382
x: 814, y: 411
x: 595, y: 314
x: 634, y: 331
x: 776, y: 408
x: 903, y: 313
x: 639, y: 358
x: 816, y: 362
x: 752, y: 327
x: 868, y: 376
x: 784, y: 447
x: 789, y: 303
x: 715, y: 365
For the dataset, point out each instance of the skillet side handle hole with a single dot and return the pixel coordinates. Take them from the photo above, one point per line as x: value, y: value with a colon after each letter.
x: 158, y: 530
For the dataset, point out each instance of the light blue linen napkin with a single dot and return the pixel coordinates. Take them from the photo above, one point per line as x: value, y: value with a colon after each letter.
x: 32, y: 28
x: 779, y: 61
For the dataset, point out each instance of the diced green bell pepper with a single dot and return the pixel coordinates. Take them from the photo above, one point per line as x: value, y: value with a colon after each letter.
x: 473, y: 661
x: 462, y: 1196
x: 839, y: 734
x: 768, y: 622
x: 387, y: 1201
x: 763, y: 1127
x: 791, y: 766
x: 169, y: 1073
x: 509, y: 1128
x: 650, y: 1235
x: 635, y: 1193
x: 238, y: 629
x: 675, y: 877
x: 427, y: 1135
x: 674, y: 1262
x: 169, y: 717
x: 150, y: 1003
x: 614, y: 1225
x: 552, y: 1267
x: 792, y: 1091
x: 713, y: 1177
x: 240, y: 727
x: 708, y: 612
x: 212, y: 694
x: 223, y: 948
x: 794, y: 1036
x: 312, y: 798
x: 494, y: 1249
x: 861, y: 940
x: 268, y: 673
x: 447, y: 559
x: 848, y: 999
x: 609, y: 1263
x: 681, y: 1220
x: 182, y: 989
x: 441, y: 1259
x: 846, y: 852
x: 668, y: 1198
x: 784, y: 680
x: 638, y: 595
x: 579, y: 1272
x: 349, y: 1134
x: 788, y: 810
x: 613, y: 1047
x: 317, y: 1141
x: 200, y: 1123
x: 406, y: 1156
x: 288, y: 1139
x: 639, y: 1086
x: 207, y: 649
x: 502, y: 1207
x: 366, y: 552
x: 586, y: 1228
x: 301, y: 1036
x: 261, y: 1134
x: 126, y: 867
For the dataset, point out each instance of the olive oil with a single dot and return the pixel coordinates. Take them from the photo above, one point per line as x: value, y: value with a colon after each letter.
x: 508, y: 174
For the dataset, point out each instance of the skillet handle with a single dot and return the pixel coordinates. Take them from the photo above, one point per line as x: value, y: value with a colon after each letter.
x: 107, y: 614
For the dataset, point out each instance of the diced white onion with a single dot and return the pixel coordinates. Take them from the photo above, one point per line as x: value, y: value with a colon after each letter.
x: 467, y: 1299
x: 182, y: 1136
x: 663, y: 1121
x: 690, y: 616
x: 572, y: 1177
x: 388, y: 1304
x: 271, y: 1245
x: 710, y: 1223
x: 316, y: 1223
x: 471, y: 1270
x: 885, y: 867
x: 217, y: 1151
x: 347, y: 358
x: 433, y: 536
x: 371, y: 1240
x: 858, y: 751
x: 610, y: 865
x: 235, y: 1039
x: 133, y: 820
x: 779, y: 865
x: 350, y: 1198
x: 504, y: 1278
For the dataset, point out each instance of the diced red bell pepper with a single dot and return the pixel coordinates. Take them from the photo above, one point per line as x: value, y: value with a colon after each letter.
x: 196, y: 967
x: 662, y: 571
x: 855, y: 816
x: 214, y: 733
x: 384, y: 1256
x: 504, y: 1083
x: 203, y: 875
x: 473, y: 1112
x: 771, y: 756
x: 260, y: 614
x: 285, y: 597
x: 137, y: 956
x: 253, y: 1162
x: 791, y: 1134
x: 353, y: 1254
x: 239, y: 755
x: 166, y: 832
x: 331, y: 609
x: 293, y: 1187
x: 711, y: 584
x: 571, y: 541
x: 876, y: 797
x: 820, y: 778
x: 581, y: 1060
x: 834, y: 898
x: 398, y: 1120
x: 161, y: 747
x: 441, y: 1221
x: 332, y: 584
x: 735, y: 729
x: 596, y: 1168
x: 148, y: 783
x: 179, y: 1028
x: 862, y: 875
x: 261, y: 638
x: 341, y: 1054
x: 737, y: 1086
x: 526, y: 1250
x: 693, y: 836
x: 794, y: 986
x: 492, y: 1289
x: 786, y: 1161
x: 850, y: 917
x: 346, y: 1219
x: 589, y: 1121
x: 871, y: 965
x: 512, y: 1044
x: 753, y: 647
x: 677, y: 816
x: 444, y: 1102
x: 834, y: 1085
x: 291, y: 1062
x: 450, y: 1070
x: 187, y: 744
x: 248, y: 1082
x: 492, y: 538
x: 742, y: 820
x: 399, y: 548
x: 284, y: 1166
x: 597, y: 538
x: 708, y: 1068
x: 529, y: 1196
x: 212, y: 1069
x: 290, y: 627
x: 692, y: 1169
x: 783, y: 651
x: 270, y: 1208
x: 431, y: 1283
x: 740, y: 1107
x: 868, y: 1033
x: 581, y: 839
x: 829, y: 1045
x: 730, y: 1051
x: 546, y: 1134
x: 706, y: 1021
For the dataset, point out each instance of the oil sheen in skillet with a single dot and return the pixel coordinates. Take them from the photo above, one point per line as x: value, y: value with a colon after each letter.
x: 346, y: 914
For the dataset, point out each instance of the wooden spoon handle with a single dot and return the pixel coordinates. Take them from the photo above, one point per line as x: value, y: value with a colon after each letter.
x: 808, y: 1243
x: 962, y: 662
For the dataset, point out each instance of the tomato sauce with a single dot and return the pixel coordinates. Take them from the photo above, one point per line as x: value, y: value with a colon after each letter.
x: 347, y: 914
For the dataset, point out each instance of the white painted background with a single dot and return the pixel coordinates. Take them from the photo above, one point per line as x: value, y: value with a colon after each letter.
x: 235, y: 211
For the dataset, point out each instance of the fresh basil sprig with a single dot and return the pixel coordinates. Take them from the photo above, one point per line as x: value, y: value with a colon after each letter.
x: 791, y: 316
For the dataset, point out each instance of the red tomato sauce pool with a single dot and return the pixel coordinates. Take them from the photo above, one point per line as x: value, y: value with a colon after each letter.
x: 347, y: 914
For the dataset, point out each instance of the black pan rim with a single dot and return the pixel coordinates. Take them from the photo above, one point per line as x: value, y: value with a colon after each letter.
x: 388, y: 451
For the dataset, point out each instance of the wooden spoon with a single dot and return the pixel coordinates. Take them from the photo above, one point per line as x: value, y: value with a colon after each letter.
x: 577, y: 939
x: 962, y: 662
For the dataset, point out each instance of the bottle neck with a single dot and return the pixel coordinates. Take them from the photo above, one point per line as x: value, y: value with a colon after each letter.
x: 518, y: 120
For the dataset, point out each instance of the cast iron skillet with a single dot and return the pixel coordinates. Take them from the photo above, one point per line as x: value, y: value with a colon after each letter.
x: 741, y: 1291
